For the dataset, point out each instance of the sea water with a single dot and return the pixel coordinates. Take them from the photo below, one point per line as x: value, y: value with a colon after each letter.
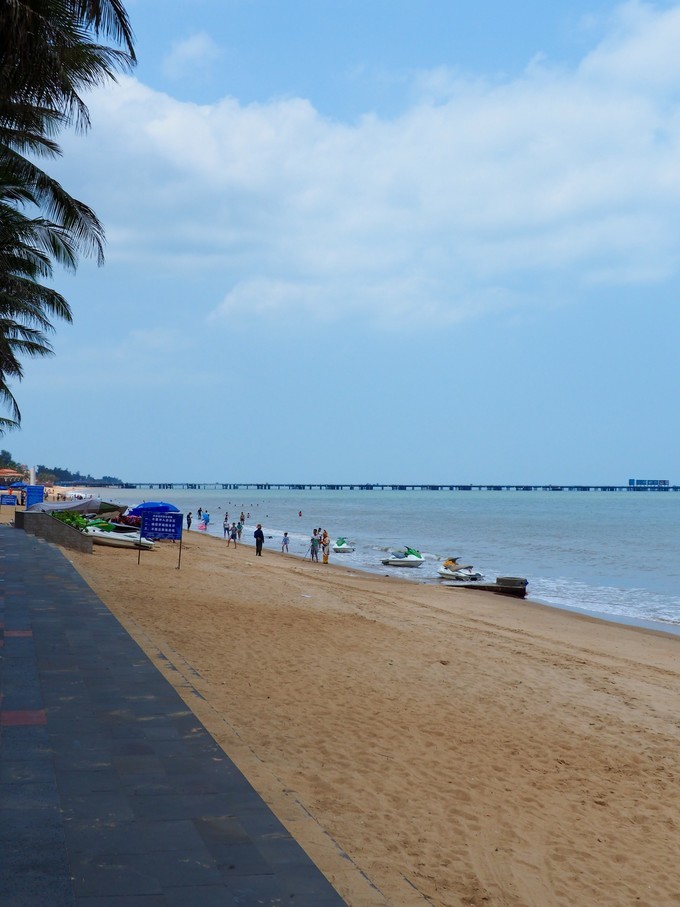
x: 609, y: 553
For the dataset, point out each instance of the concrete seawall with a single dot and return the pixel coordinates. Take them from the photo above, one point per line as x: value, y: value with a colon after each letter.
x: 46, y: 527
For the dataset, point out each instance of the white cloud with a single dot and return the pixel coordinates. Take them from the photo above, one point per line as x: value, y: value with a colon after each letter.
x: 640, y: 51
x: 465, y: 203
x: 191, y: 56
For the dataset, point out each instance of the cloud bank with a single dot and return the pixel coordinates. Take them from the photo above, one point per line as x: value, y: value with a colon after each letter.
x: 480, y: 196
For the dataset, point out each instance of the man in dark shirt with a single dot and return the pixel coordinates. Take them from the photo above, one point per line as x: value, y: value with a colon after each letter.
x: 259, y: 539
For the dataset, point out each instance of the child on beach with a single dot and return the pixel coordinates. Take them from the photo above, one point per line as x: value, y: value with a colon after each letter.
x: 284, y: 543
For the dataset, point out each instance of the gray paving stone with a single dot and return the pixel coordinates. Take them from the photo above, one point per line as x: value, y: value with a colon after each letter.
x: 37, y: 890
x: 142, y: 900
x: 116, y: 874
x: 207, y: 896
x: 240, y: 859
x: 80, y: 783
x: 133, y: 837
x: 108, y: 806
x: 122, y: 799
x: 27, y: 770
x: 217, y: 830
x: 28, y: 795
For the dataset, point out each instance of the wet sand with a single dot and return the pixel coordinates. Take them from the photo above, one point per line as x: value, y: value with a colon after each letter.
x: 425, y: 745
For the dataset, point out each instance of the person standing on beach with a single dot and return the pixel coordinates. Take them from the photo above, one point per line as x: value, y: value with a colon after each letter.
x: 200, y: 513
x: 188, y: 521
x: 239, y: 529
x: 259, y: 539
x: 325, y: 545
x: 232, y: 535
x: 242, y: 518
x: 225, y: 526
x: 314, y: 546
x: 284, y: 543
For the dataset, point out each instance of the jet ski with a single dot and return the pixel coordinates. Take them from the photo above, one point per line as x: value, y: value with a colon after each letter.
x: 404, y: 557
x: 451, y: 569
x: 342, y: 546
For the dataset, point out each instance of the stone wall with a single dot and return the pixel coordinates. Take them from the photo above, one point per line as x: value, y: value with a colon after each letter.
x: 46, y: 527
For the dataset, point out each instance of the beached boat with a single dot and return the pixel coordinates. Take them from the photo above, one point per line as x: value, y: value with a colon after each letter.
x: 111, y: 526
x: 451, y: 569
x: 341, y: 546
x: 504, y: 585
x: 404, y: 557
x: 117, y: 539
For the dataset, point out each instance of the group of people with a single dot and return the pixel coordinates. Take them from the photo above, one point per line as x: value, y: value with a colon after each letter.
x: 232, y: 533
x: 203, y: 516
x: 320, y: 540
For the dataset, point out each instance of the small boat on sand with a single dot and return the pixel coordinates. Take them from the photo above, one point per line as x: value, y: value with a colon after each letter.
x: 112, y: 526
x: 117, y: 539
x: 342, y: 546
x: 504, y: 585
x: 451, y: 569
x: 404, y: 557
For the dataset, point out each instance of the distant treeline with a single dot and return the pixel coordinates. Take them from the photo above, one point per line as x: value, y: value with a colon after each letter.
x: 6, y: 462
x: 60, y: 476
x: 55, y: 474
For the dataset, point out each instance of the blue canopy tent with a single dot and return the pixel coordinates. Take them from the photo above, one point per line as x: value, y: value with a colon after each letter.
x: 152, y: 507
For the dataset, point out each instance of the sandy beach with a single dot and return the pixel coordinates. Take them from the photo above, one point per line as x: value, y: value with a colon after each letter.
x: 425, y: 746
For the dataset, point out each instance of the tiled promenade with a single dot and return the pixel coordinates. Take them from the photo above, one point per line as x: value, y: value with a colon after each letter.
x: 112, y: 793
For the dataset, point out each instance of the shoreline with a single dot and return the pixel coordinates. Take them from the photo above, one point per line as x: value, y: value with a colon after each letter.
x: 645, y: 624
x: 609, y: 601
x: 459, y: 747
x: 636, y: 623
x: 652, y: 626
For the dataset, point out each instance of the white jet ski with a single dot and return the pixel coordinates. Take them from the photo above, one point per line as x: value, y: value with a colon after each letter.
x: 404, y: 557
x: 451, y: 569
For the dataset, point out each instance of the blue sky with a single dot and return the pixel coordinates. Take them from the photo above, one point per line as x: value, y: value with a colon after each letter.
x: 378, y: 241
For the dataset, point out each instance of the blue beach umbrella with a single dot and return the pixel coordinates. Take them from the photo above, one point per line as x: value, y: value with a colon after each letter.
x: 153, y: 507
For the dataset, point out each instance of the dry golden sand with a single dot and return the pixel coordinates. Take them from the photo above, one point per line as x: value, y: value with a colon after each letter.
x: 459, y: 747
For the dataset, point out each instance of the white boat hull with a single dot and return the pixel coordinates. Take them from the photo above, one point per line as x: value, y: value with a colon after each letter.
x: 403, y: 561
x: 464, y: 574
x: 343, y: 549
x: 119, y: 539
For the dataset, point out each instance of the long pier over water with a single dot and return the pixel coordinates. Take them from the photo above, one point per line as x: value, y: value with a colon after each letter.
x: 288, y: 486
